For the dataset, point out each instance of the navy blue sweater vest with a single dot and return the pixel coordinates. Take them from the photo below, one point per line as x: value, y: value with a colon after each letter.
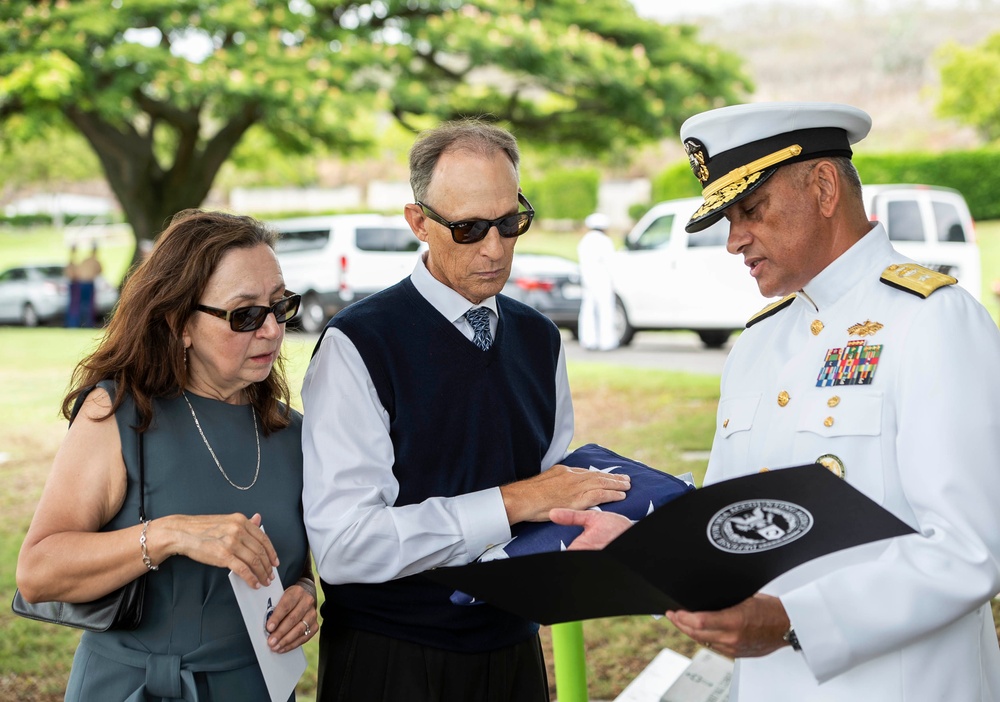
x: 461, y: 420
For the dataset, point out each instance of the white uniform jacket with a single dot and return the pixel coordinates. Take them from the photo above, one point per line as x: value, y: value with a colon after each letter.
x: 918, y: 432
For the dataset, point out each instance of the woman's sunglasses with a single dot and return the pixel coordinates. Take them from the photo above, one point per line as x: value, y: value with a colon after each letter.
x: 472, y: 230
x: 245, y: 319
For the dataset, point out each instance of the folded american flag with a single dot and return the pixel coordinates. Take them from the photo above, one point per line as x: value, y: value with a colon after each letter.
x: 650, y: 489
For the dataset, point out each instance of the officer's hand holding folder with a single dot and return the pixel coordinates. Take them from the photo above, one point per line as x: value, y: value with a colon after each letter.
x: 703, y: 549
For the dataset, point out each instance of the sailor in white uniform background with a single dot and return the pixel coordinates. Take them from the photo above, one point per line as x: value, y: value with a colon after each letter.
x: 596, y: 323
x: 881, y: 370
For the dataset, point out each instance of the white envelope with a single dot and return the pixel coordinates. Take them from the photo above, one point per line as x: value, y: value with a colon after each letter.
x: 281, y: 670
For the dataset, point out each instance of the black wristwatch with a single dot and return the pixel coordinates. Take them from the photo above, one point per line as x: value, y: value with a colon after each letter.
x: 792, y: 640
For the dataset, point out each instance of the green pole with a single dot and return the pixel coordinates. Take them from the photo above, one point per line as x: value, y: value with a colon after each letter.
x: 570, y: 662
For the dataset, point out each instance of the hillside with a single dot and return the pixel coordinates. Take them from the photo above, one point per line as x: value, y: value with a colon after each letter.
x: 881, y: 61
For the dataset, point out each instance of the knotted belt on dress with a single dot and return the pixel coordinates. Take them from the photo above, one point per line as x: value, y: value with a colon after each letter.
x: 172, y: 676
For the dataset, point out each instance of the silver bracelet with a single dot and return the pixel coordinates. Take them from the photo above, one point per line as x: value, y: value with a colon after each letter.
x: 142, y: 544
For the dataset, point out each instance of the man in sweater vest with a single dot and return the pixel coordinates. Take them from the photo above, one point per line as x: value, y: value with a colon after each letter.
x: 437, y: 412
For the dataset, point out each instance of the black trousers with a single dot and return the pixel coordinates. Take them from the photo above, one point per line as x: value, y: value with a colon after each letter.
x: 358, y: 666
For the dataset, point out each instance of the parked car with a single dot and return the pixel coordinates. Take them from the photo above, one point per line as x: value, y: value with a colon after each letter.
x: 667, y: 279
x: 337, y: 259
x: 33, y: 295
x: 550, y: 284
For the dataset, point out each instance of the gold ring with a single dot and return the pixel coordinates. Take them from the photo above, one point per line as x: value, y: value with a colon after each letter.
x: 306, y: 625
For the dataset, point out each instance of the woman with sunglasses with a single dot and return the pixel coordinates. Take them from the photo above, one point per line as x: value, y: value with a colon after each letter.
x: 191, y: 360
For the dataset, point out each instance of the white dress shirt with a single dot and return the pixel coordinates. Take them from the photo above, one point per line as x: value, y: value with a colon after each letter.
x: 900, y: 619
x: 355, y: 532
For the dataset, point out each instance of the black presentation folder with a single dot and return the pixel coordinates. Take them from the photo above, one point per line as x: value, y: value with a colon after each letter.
x: 706, y: 550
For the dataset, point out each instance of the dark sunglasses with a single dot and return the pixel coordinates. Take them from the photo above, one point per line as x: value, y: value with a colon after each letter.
x: 470, y: 231
x: 245, y: 319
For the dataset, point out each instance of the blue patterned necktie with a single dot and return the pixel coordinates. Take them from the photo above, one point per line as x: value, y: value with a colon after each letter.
x: 479, y: 320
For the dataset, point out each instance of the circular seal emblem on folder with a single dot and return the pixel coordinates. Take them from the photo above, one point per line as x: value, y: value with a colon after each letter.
x: 758, y: 525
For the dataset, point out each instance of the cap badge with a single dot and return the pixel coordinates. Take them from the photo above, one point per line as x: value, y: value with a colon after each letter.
x: 697, y: 157
x: 867, y: 329
x: 855, y: 364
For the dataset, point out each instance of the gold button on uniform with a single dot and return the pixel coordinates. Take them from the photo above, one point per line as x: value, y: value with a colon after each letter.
x: 783, y: 398
x: 828, y: 422
x: 833, y: 401
x: 816, y: 327
x: 725, y: 423
x: 764, y: 470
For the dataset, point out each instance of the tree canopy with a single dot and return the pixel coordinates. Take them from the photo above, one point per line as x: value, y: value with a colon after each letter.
x: 970, y: 85
x: 164, y: 90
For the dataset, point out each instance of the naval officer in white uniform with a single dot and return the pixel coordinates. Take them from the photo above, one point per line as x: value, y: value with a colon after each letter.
x: 881, y: 370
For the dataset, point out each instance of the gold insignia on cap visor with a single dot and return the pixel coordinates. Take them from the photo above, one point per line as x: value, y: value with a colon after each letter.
x: 738, y: 174
x: 737, y: 180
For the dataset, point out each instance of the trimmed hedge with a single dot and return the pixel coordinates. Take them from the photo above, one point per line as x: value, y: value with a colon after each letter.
x: 975, y: 174
x: 564, y: 193
x: 675, y: 181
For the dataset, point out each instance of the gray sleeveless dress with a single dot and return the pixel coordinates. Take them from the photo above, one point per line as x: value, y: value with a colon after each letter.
x: 192, y: 643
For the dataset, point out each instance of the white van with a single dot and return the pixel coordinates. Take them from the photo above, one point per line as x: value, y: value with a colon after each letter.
x: 337, y: 259
x: 668, y: 279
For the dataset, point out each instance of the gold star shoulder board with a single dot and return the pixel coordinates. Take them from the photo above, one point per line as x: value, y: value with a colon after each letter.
x: 916, y: 280
x: 771, y: 309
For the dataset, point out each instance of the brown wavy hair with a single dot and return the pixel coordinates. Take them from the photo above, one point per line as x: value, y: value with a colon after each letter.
x: 143, y: 349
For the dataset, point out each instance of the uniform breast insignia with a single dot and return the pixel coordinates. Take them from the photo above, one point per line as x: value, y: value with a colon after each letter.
x: 833, y: 464
x: 915, y: 279
x: 771, y: 309
x: 866, y: 329
x: 855, y: 364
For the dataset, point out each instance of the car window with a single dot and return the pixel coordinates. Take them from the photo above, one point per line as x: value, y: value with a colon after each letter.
x: 903, y: 222
x: 302, y: 240
x: 656, y: 235
x: 15, y: 274
x: 51, y: 271
x: 6, y: 276
x: 386, y: 239
x: 716, y: 235
x: 948, y: 222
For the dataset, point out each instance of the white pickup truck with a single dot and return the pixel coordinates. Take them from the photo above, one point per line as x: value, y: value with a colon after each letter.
x: 668, y: 279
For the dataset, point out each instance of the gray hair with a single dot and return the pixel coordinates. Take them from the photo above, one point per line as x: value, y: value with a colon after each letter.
x: 473, y: 135
x: 845, y: 168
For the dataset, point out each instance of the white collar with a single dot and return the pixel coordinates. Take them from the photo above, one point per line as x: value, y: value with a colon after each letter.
x: 445, y: 300
x: 872, y: 252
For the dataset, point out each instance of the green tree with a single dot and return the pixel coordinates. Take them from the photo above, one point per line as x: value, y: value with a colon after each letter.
x: 970, y: 85
x: 164, y: 90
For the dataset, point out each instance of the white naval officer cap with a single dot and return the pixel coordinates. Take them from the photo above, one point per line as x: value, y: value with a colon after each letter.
x: 733, y: 150
x: 597, y: 220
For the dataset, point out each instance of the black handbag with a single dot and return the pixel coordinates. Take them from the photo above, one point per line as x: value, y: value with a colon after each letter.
x: 121, y: 609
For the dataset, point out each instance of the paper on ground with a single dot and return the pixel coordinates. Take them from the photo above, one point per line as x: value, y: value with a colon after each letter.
x: 281, y: 670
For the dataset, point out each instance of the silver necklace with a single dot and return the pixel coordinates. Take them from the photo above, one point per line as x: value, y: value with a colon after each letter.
x: 218, y: 465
